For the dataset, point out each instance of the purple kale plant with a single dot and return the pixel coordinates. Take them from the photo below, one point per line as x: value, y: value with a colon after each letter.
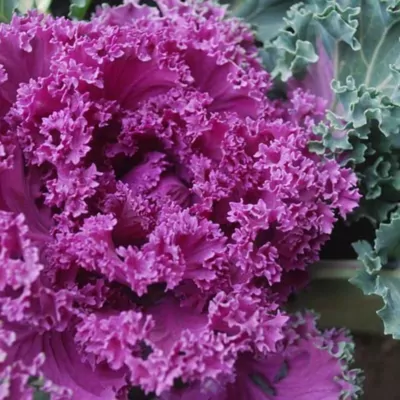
x: 156, y: 211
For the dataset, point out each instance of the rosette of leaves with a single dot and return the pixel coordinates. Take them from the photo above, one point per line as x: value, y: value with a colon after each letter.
x: 356, y: 42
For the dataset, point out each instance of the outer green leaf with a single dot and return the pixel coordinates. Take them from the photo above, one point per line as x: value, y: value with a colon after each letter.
x: 305, y: 23
x: 24, y: 6
x: 371, y: 261
x: 390, y: 313
x: 388, y: 238
x: 362, y: 44
x: 369, y: 109
x: 7, y: 7
x: 387, y: 285
x: 43, y: 5
x: 364, y: 126
x: 265, y: 15
x: 78, y: 8
x: 378, y: 34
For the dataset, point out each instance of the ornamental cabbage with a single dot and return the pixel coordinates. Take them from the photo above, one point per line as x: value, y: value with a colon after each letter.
x: 157, y: 209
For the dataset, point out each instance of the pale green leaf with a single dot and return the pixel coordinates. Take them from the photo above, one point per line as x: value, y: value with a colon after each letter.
x: 24, y: 6
x: 265, y: 15
x: 387, y: 240
x: 368, y: 257
x: 78, y: 8
x: 327, y: 21
x: 7, y: 7
x: 386, y: 285
x: 390, y: 313
x: 364, y: 118
x: 43, y: 5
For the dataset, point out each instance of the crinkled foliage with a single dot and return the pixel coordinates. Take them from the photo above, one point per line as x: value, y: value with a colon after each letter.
x: 156, y: 208
x: 309, y: 364
x: 356, y: 44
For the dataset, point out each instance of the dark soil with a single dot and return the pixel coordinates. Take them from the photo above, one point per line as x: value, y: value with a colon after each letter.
x: 379, y: 358
x: 339, y: 245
